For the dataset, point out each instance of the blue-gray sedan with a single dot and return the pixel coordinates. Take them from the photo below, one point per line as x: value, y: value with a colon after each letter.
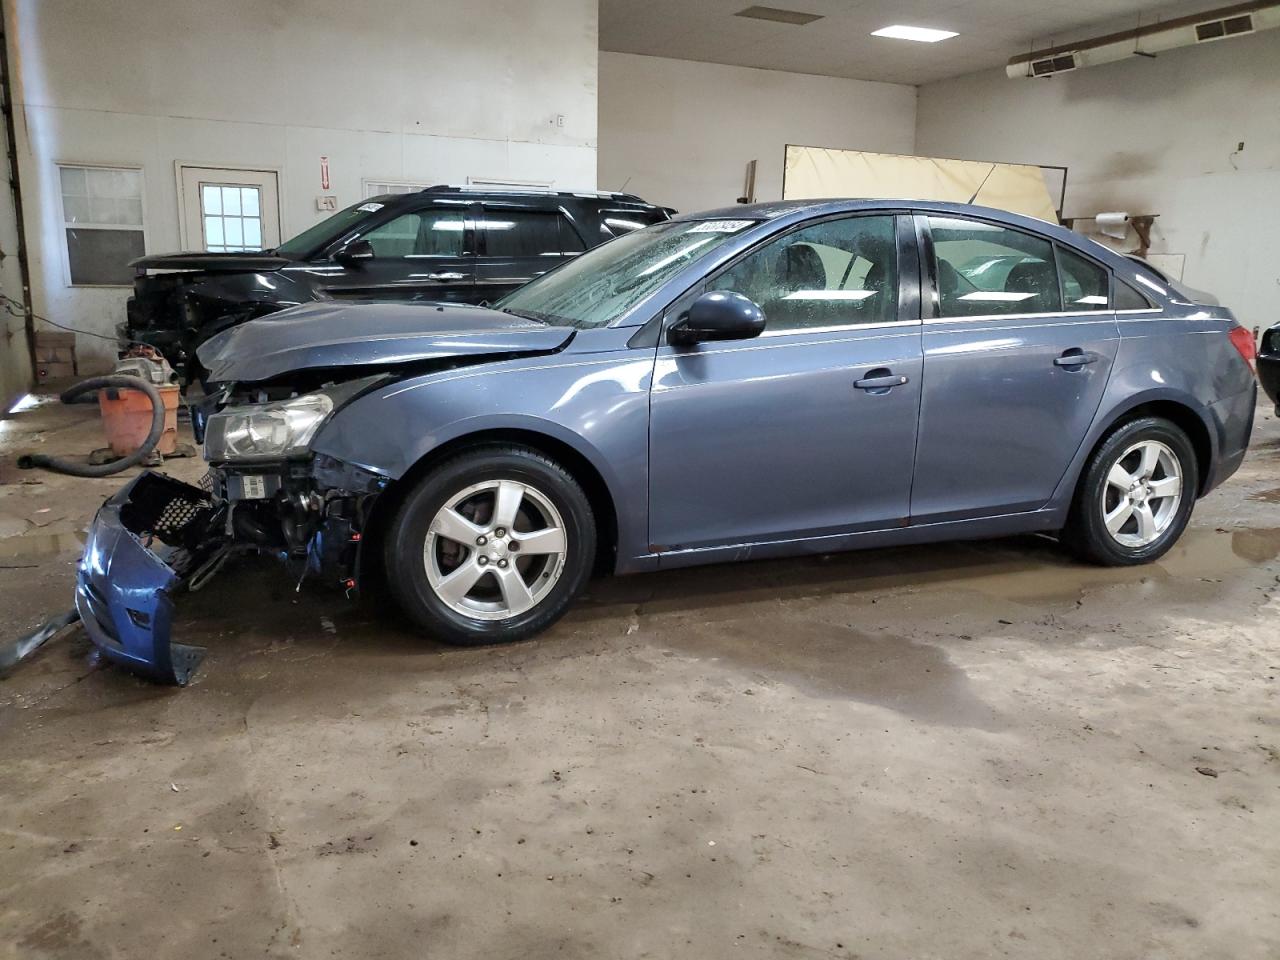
x: 751, y: 382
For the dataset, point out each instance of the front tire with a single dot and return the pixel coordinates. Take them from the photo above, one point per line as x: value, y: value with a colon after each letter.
x: 491, y: 546
x: 1136, y: 495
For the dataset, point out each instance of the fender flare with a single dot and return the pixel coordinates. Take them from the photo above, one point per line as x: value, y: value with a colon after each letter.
x: 1103, y: 422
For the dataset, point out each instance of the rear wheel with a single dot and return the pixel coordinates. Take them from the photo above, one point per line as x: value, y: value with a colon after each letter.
x: 491, y: 546
x: 1135, y: 496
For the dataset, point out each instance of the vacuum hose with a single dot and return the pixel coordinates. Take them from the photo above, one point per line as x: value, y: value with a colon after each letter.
x: 119, y: 382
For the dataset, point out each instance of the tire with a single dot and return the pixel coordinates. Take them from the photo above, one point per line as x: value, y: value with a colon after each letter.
x: 447, y: 526
x: 1131, y: 516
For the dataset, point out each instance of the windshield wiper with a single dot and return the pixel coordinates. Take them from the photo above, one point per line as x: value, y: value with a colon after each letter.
x: 543, y: 318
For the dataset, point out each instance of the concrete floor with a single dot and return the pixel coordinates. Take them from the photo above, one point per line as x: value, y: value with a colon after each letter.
x: 972, y: 750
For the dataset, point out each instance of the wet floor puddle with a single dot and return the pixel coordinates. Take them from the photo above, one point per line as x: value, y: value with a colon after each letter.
x: 1027, y: 570
x: 40, y: 545
x: 915, y: 679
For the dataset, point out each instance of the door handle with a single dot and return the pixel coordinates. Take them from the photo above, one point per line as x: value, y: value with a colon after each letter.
x: 883, y: 380
x: 446, y: 276
x: 1075, y: 357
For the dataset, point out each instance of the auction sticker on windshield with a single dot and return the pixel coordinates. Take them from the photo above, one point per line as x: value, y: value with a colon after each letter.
x: 721, y: 226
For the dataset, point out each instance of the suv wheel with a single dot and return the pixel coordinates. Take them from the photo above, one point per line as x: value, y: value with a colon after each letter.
x: 1136, y: 495
x: 491, y: 546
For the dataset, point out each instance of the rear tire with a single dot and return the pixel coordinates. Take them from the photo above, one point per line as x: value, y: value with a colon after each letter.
x: 491, y: 546
x: 1135, y: 496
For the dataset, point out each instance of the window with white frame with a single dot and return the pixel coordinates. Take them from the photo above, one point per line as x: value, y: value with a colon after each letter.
x: 378, y: 188
x: 102, y: 220
x: 232, y: 217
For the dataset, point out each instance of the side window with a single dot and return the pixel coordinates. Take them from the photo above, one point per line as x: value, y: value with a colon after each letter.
x: 985, y: 269
x: 836, y: 273
x: 1130, y: 298
x: 528, y: 233
x: 1084, y: 283
x: 423, y: 233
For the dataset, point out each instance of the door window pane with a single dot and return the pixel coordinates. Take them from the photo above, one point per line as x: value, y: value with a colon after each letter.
x: 232, y: 216
x: 1084, y: 283
x: 102, y: 214
x: 984, y: 269
x: 423, y: 233
x: 837, y: 273
x: 528, y: 233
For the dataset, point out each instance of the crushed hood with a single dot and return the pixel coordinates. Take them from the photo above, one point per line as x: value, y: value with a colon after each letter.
x: 212, y: 262
x: 329, y: 335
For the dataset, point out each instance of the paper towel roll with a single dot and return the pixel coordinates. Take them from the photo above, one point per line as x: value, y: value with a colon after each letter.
x: 1113, y: 224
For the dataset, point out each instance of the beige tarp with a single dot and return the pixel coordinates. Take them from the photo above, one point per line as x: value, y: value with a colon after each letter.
x: 815, y: 172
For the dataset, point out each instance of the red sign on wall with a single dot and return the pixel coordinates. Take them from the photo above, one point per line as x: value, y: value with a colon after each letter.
x: 324, y: 173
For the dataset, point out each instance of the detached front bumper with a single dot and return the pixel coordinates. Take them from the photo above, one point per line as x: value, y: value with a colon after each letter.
x: 145, y: 543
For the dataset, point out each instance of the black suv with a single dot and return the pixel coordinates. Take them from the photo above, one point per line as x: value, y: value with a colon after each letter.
x: 457, y: 244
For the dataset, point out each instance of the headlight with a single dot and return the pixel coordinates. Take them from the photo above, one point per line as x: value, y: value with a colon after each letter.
x: 266, y: 431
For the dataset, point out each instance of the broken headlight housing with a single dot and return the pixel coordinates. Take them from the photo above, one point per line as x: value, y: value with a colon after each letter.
x: 266, y: 431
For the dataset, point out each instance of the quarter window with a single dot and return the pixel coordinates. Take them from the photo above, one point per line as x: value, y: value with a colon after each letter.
x: 102, y: 220
x: 528, y: 233
x: 423, y: 233
x: 835, y: 273
x: 1084, y: 283
x: 1130, y: 298
x: 984, y: 269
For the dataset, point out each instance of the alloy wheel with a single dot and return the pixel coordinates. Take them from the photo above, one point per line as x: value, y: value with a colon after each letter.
x: 1141, y: 496
x: 495, y: 549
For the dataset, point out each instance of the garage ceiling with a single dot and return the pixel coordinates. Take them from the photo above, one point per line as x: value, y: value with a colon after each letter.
x: 840, y: 45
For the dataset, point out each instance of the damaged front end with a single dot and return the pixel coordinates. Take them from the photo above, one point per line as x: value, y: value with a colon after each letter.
x: 276, y: 382
x: 158, y: 537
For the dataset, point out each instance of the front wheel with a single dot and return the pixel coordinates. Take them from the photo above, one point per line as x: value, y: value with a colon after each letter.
x: 1135, y: 496
x: 491, y: 546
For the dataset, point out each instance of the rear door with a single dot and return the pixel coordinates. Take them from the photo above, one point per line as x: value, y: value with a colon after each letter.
x: 1019, y: 340
x: 427, y: 253
x: 520, y: 240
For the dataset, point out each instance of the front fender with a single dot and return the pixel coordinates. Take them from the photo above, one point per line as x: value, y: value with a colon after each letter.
x: 597, y: 405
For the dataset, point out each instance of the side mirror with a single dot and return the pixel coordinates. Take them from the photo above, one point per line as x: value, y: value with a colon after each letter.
x: 355, y: 252
x: 719, y: 315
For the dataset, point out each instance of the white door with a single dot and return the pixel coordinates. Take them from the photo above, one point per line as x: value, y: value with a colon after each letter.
x: 228, y: 211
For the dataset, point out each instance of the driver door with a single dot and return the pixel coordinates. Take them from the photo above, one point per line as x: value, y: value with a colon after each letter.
x: 808, y: 430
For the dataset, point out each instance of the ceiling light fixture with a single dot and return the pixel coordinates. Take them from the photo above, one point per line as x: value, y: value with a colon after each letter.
x: 792, y: 17
x: 919, y: 34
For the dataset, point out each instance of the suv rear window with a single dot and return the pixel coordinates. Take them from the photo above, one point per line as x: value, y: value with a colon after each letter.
x: 614, y: 223
x: 528, y: 233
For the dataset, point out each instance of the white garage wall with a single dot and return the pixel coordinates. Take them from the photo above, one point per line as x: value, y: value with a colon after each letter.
x: 1147, y: 136
x: 387, y: 90
x: 680, y: 133
x: 15, y: 356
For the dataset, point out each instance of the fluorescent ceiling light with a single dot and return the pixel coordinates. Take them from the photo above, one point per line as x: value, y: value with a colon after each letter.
x: 921, y: 34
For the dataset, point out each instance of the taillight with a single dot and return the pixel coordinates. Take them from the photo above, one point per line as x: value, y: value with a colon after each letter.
x: 1242, y: 340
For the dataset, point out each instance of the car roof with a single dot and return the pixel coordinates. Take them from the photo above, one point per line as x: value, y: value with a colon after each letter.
x: 772, y: 209
x: 471, y: 192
